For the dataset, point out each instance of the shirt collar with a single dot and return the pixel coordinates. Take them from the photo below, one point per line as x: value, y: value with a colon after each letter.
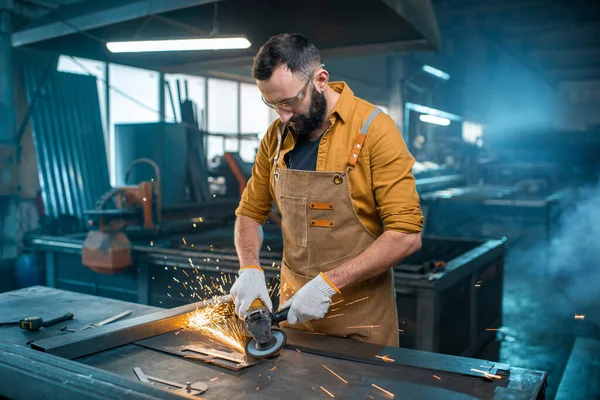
x: 344, y: 103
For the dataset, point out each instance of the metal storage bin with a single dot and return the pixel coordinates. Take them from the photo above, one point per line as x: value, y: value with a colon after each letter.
x: 449, y: 311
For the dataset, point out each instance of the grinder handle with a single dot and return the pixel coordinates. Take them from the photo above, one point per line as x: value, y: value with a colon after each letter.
x: 282, y: 315
x: 257, y: 303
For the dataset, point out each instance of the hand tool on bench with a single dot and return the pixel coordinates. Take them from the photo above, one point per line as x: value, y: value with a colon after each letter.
x: 107, y: 321
x: 35, y: 323
x: 189, y: 388
x: 266, y: 340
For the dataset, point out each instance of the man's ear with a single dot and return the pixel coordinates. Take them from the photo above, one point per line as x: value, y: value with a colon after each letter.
x: 322, y: 79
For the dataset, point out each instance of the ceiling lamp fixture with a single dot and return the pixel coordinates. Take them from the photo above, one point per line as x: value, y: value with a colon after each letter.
x: 432, y: 119
x: 143, y: 46
x: 436, y: 72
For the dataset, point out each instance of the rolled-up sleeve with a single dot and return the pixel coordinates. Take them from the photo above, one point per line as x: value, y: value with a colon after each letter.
x: 393, y: 183
x: 256, y: 199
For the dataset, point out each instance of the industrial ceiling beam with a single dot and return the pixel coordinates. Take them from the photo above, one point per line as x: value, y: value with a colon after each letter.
x: 373, y: 49
x: 575, y: 74
x: 592, y: 52
x: 422, y: 17
x: 95, y: 14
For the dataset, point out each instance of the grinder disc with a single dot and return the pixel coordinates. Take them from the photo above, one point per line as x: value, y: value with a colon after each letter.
x: 254, y: 351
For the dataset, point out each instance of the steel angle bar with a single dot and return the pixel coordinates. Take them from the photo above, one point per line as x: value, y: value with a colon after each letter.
x: 35, y: 375
x: 368, y: 353
x: 106, y: 337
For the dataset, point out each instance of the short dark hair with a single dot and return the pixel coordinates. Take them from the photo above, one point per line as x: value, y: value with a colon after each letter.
x: 293, y: 50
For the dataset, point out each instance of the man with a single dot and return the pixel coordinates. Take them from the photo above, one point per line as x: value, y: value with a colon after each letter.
x: 340, y: 175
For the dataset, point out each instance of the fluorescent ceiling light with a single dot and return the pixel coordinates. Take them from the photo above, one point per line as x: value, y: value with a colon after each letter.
x: 179, y: 45
x: 432, y: 111
x: 432, y: 119
x: 436, y: 72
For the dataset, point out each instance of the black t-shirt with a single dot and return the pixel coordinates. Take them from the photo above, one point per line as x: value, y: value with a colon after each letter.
x: 304, y: 154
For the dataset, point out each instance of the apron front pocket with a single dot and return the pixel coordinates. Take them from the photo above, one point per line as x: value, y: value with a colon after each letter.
x: 294, y: 221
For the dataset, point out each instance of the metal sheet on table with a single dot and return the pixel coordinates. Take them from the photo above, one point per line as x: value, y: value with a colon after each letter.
x: 297, y: 373
x: 367, y: 353
x: 176, y: 342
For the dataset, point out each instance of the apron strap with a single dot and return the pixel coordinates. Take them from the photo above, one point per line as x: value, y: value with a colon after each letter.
x: 280, y: 139
x: 360, y: 139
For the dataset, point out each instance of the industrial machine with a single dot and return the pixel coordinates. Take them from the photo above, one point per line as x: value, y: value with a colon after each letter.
x: 137, y: 212
x: 106, y: 248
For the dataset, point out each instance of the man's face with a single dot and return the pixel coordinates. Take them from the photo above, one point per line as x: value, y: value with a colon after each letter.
x: 304, y: 115
x: 304, y: 124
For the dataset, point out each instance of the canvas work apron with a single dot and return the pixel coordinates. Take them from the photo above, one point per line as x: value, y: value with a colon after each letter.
x: 321, y: 231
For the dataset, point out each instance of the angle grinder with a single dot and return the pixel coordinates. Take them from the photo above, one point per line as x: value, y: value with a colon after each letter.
x: 266, y: 340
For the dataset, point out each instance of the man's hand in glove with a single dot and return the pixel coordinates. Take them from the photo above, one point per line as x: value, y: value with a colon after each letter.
x: 249, y: 286
x: 311, y: 301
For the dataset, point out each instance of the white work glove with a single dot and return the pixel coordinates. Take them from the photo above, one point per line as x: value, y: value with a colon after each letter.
x: 249, y: 286
x: 311, y: 301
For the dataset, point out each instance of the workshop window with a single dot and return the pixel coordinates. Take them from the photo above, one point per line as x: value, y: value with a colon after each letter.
x: 256, y: 118
x: 83, y: 66
x: 222, y: 106
x: 196, y: 90
x: 223, y: 113
x: 133, y: 98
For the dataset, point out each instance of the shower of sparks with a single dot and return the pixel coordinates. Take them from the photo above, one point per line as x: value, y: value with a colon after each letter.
x: 217, y: 322
x: 362, y: 326
x: 491, y: 329
x: 214, y: 379
x: 386, y: 358
x: 335, y: 309
x: 335, y: 316
x: 184, y: 242
x: 337, y: 376
x: 356, y: 301
x: 326, y: 391
x: 437, y: 377
x: 582, y: 316
x: 383, y: 390
x: 337, y: 302
x: 486, y: 374
x: 371, y: 397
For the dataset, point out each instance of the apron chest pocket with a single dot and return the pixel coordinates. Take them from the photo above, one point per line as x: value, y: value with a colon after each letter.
x: 294, y: 221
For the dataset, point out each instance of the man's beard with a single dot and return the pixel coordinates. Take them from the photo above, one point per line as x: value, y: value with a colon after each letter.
x: 304, y: 124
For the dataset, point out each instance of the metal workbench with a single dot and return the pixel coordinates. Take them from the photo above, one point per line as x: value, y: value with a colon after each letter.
x: 299, y: 374
x: 447, y: 311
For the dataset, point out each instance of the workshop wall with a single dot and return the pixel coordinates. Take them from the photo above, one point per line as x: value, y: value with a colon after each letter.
x: 579, y: 104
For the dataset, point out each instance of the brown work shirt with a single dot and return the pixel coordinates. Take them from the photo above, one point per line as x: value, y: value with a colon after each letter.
x: 382, y: 185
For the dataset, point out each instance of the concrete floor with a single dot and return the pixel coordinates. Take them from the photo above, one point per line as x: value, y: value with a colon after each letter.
x: 539, y: 325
